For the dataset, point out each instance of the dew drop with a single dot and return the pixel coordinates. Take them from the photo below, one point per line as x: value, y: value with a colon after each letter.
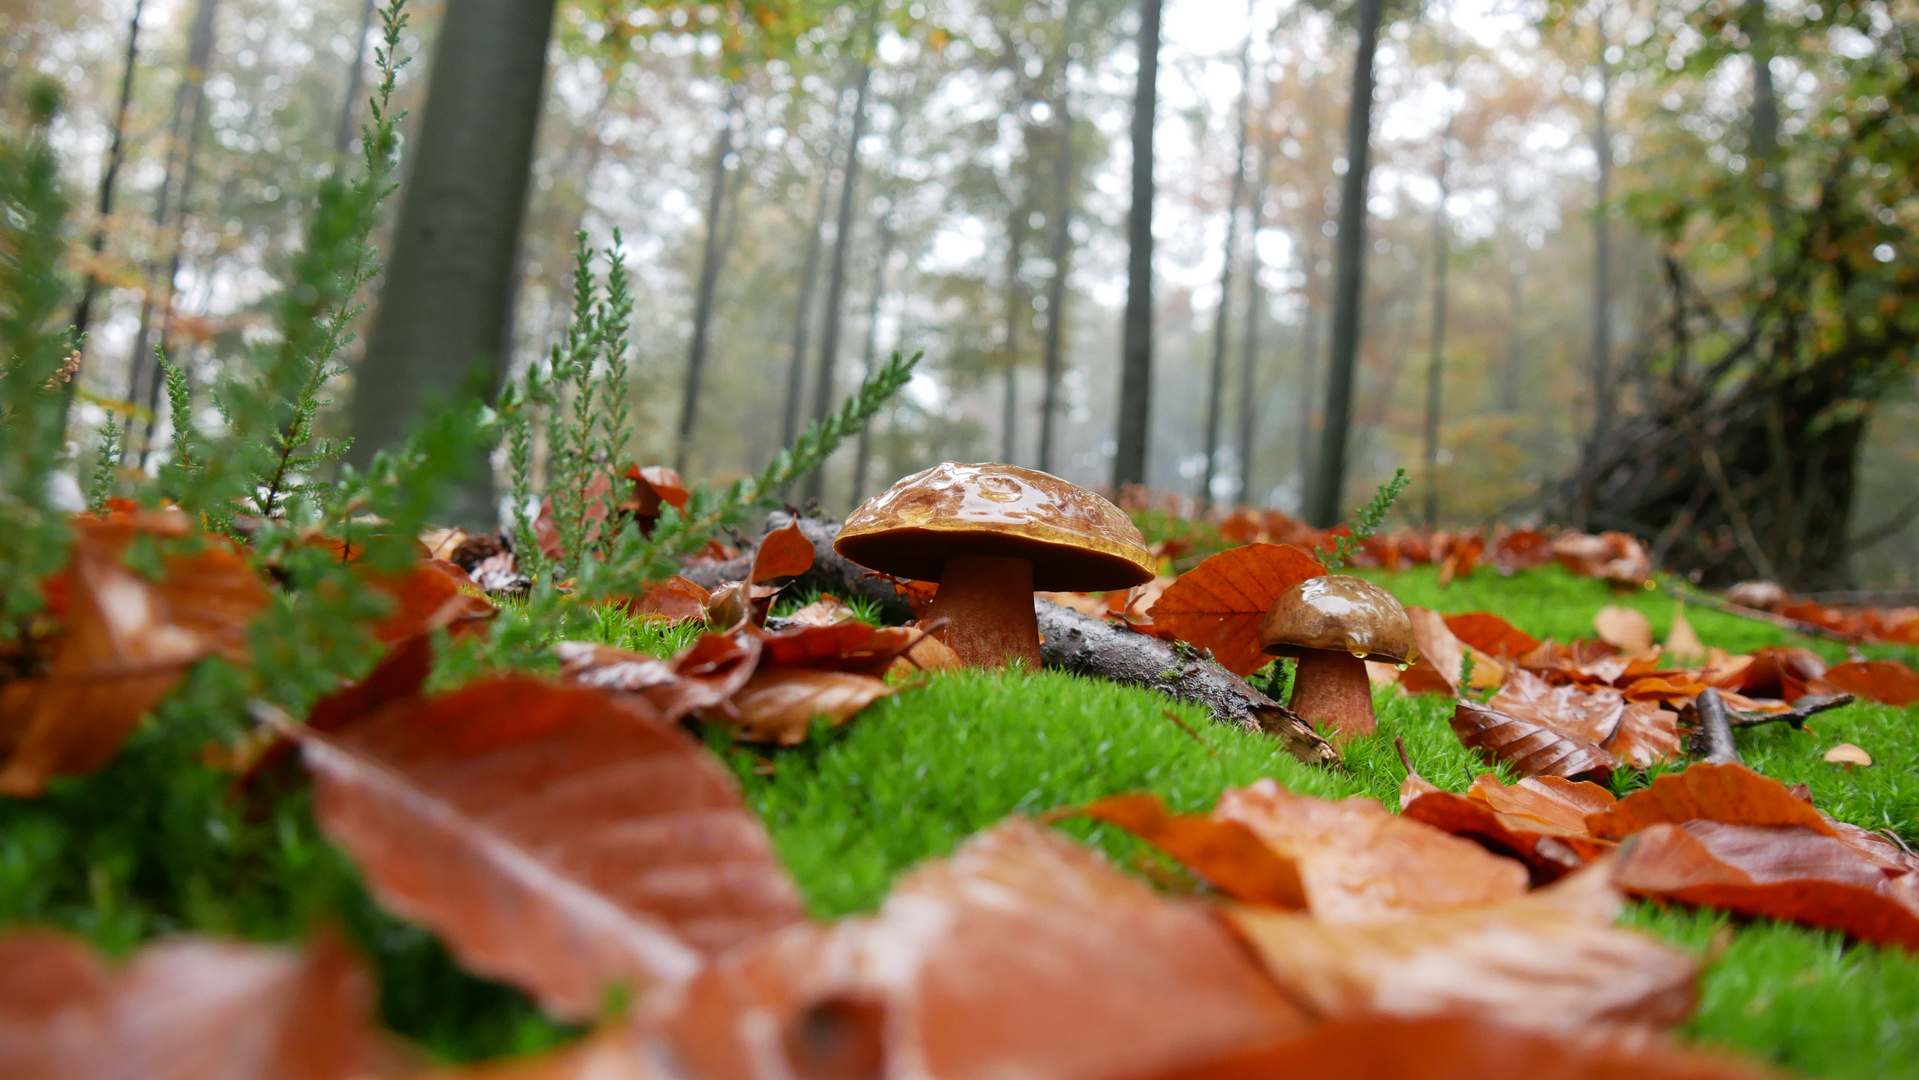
x: 1359, y: 654
x: 1402, y: 665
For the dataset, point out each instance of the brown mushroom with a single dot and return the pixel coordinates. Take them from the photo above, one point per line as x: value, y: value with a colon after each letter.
x: 1332, y: 625
x: 991, y: 535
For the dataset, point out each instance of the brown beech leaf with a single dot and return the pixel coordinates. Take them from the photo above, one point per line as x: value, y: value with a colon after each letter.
x: 704, y: 676
x: 1592, y: 715
x: 917, y: 650
x: 783, y: 553
x: 183, y: 1009
x: 739, y: 603
x: 1359, y: 862
x: 1888, y: 682
x: 1780, y: 871
x: 1021, y: 955
x: 1441, y: 655
x: 1521, y: 549
x: 1625, y: 629
x: 1775, y: 671
x: 1226, y: 853
x: 653, y: 485
x: 1646, y: 736
x: 1682, y: 641
x: 828, y: 610
x: 1547, y: 959
x: 1491, y: 634
x: 432, y: 594
x: 1463, y: 1048
x: 617, y: 1054
x: 1548, y: 856
x: 1218, y: 604
x: 1550, y: 801
x: 824, y: 646
x: 643, y: 862
x: 676, y: 600
x: 777, y: 705
x: 1732, y: 794
x: 1534, y: 749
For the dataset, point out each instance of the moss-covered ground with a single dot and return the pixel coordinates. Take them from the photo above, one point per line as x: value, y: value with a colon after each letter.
x: 153, y: 844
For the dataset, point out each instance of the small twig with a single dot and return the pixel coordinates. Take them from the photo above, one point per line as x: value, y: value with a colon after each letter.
x: 1399, y: 744
x: 1712, y: 739
x: 1190, y: 733
x: 1797, y: 715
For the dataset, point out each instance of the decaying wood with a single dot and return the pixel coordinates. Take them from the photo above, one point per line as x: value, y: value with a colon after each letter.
x: 1712, y: 741
x: 830, y: 573
x: 1085, y: 645
x: 1797, y: 715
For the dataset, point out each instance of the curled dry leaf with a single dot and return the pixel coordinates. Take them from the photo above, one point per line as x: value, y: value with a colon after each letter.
x: 1682, y: 641
x: 1358, y: 862
x: 778, y: 705
x: 1218, y: 604
x: 739, y: 603
x: 1614, y: 557
x: 1888, y: 682
x: 676, y: 600
x: 1491, y: 635
x: 828, y: 610
x: 1775, y: 671
x: 1547, y: 959
x: 1441, y: 656
x: 653, y: 485
x: 1023, y: 954
x: 1540, y: 821
x: 183, y: 1009
x: 1534, y: 749
x: 1521, y: 549
x: 640, y: 865
x: 782, y: 553
x: 1732, y: 794
x: 705, y: 675
x: 430, y: 595
x: 1625, y: 629
x: 1226, y: 853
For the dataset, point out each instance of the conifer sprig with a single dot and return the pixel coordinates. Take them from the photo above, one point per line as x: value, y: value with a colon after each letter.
x: 1365, y: 523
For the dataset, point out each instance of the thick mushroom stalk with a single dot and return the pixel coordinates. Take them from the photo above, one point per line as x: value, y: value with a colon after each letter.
x: 987, y: 602
x: 1331, y: 688
x: 1333, y: 624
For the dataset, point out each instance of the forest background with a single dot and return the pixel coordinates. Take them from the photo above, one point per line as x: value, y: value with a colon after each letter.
x: 1484, y: 135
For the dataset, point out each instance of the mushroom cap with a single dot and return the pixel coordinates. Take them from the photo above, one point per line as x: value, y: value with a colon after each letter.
x: 1338, y: 613
x: 1076, y: 540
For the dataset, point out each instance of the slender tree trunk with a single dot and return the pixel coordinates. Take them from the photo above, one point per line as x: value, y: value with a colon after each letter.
x: 862, y: 455
x: 1255, y: 312
x: 355, y: 80
x: 711, y: 255
x: 1136, y: 346
x: 109, y: 178
x: 1216, y: 385
x: 1308, y: 372
x: 813, y: 485
x: 1326, y: 499
x: 1017, y: 312
x: 1436, y: 357
x: 809, y: 275
x: 1509, y: 384
x: 445, y: 314
x: 1061, y: 248
x: 1602, y: 374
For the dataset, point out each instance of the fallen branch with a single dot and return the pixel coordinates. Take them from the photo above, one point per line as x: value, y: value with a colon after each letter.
x: 1797, y: 715
x: 1085, y: 645
x: 1707, y: 600
x: 1712, y: 739
x: 830, y: 573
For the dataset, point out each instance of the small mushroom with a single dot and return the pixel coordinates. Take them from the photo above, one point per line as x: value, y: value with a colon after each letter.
x: 991, y: 535
x: 1332, y: 625
x: 1848, y: 755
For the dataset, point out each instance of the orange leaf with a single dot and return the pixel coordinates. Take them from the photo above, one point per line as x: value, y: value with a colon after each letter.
x: 1641, y: 733
x: 1021, y: 955
x: 432, y: 594
x: 783, y: 553
x: 828, y: 610
x: 1888, y: 682
x: 704, y: 676
x: 1225, y: 853
x: 676, y: 600
x: 183, y: 1009
x: 653, y: 485
x: 645, y: 865
x: 1491, y: 634
x: 1625, y: 629
x: 1732, y: 794
x: 1218, y: 604
x: 778, y: 705
x: 1533, y: 749
x: 1521, y: 549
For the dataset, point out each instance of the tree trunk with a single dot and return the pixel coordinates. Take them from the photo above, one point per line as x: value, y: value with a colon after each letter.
x: 1436, y: 357
x: 1217, y: 384
x: 1255, y: 315
x: 1326, y: 498
x: 1308, y: 372
x: 1061, y: 249
x: 711, y: 255
x: 809, y: 276
x: 1509, y: 382
x: 1602, y: 292
x: 814, y: 483
x: 862, y: 455
x: 1016, y: 311
x: 356, y: 78
x: 445, y: 317
x: 109, y: 178
x: 1136, y: 346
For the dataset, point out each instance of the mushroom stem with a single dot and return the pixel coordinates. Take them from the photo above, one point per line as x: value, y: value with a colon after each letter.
x: 988, y: 604
x: 1331, y: 687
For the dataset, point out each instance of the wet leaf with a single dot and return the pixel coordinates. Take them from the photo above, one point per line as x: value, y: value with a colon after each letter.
x: 1534, y: 749
x: 1218, y: 604
x: 1888, y: 682
x: 1441, y: 656
x: 1359, y: 862
x: 183, y: 1009
x: 639, y: 866
x: 1640, y: 733
x: 782, y: 553
x: 1647, y: 735
x: 432, y: 594
x: 1540, y: 825
x: 778, y: 705
x: 1625, y: 629
x: 1491, y: 634
x: 1023, y: 954
x: 1775, y: 671
x: 1227, y: 854
x: 703, y: 676
x: 675, y: 600
x: 736, y: 604
x: 1732, y: 794
x: 1548, y: 959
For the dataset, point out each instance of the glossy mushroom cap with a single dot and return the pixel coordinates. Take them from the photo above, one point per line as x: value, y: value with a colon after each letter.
x: 1336, y: 613
x: 1075, y: 540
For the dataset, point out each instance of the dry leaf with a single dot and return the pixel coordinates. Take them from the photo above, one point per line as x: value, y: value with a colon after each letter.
x: 782, y: 553
x: 1441, y: 656
x: 1592, y: 715
x: 1775, y: 671
x: 922, y: 651
x: 1732, y: 794
x: 1226, y: 853
x: 676, y: 600
x: 1521, y: 549
x: 430, y: 595
x: 705, y: 675
x: 1888, y: 682
x: 1021, y: 955
x: 778, y: 705
x: 1361, y: 863
x: 653, y: 485
x: 1548, y: 959
x: 642, y: 863
x: 618, y: 1054
x: 738, y: 603
x: 1084, y: 603
x: 1540, y: 821
x: 1682, y: 641
x: 828, y: 610
x: 1533, y: 749
x: 1615, y: 557
x: 1491, y: 634
x: 1218, y: 604
x: 183, y: 1009
x: 1647, y: 735
x: 1625, y: 629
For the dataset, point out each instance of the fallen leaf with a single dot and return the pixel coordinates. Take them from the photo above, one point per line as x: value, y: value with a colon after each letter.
x: 1227, y: 854
x: 922, y: 651
x: 1647, y: 735
x: 705, y: 675
x: 1614, y: 557
x: 737, y: 604
x: 429, y: 595
x: 782, y: 553
x: 1534, y: 749
x: 828, y: 610
x: 778, y: 705
x: 653, y: 485
x: 1775, y: 671
x: 1547, y: 959
x: 1460, y: 558
x: 1625, y: 629
x: 1218, y: 604
x: 183, y: 1009
x: 1732, y: 794
x: 1782, y: 872
x: 1888, y: 682
x: 618, y: 1054
x: 1847, y: 754
x: 1682, y: 641
x: 675, y: 600
x: 1592, y: 715
x: 1442, y: 655
x: 1084, y: 603
x: 1021, y: 955
x: 1539, y: 821
x: 1521, y: 549
x: 1359, y: 862
x: 1491, y: 634
x: 639, y: 866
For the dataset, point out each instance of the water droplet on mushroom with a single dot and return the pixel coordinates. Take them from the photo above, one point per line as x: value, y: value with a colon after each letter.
x: 1402, y: 665
x: 1359, y: 654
